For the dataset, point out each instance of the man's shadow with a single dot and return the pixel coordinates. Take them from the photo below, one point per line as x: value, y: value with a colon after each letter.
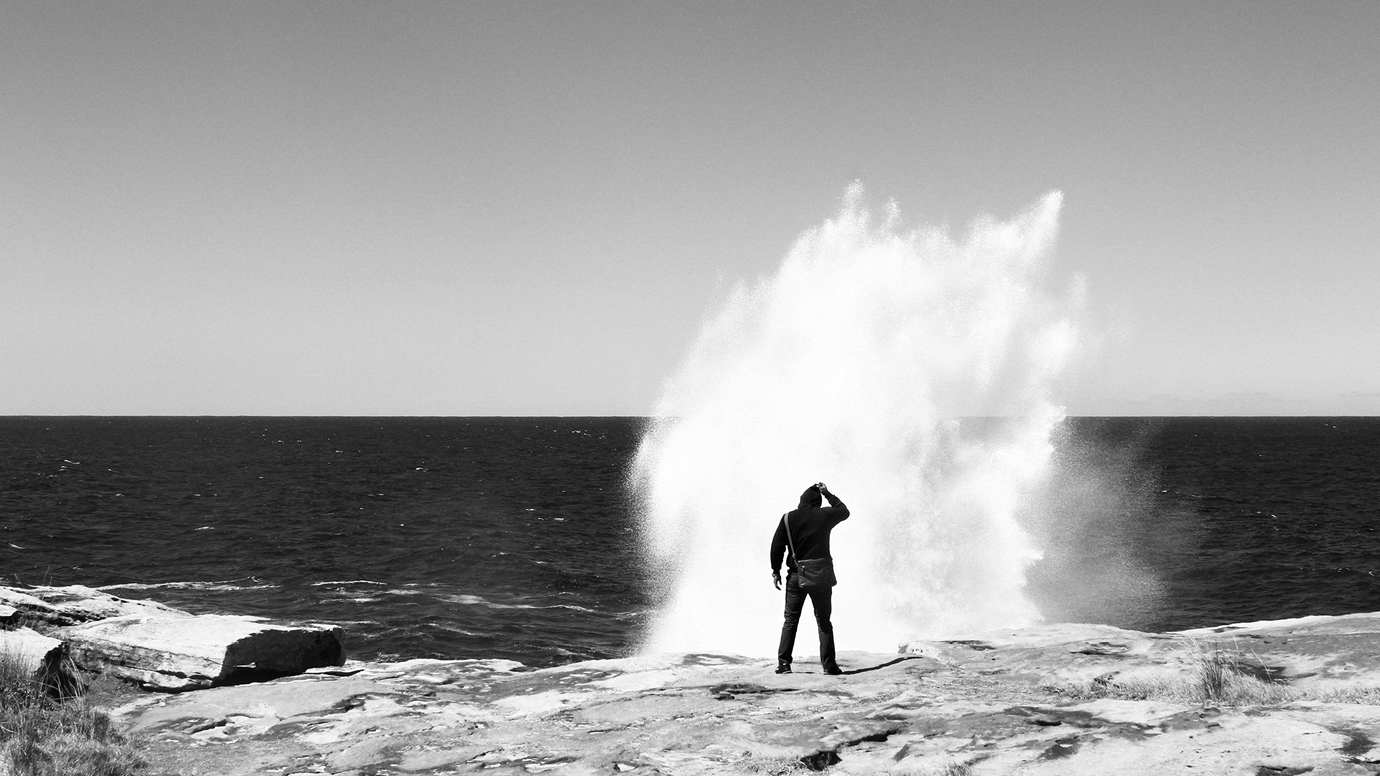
x: 879, y: 666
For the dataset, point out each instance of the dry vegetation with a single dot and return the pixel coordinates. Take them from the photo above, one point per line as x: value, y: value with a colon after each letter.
x: 1217, y: 677
x: 48, y: 728
x: 952, y: 769
x: 774, y: 766
x: 1369, y: 696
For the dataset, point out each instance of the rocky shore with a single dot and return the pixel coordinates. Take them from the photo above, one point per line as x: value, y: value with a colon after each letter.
x: 152, y: 645
x: 1284, y: 697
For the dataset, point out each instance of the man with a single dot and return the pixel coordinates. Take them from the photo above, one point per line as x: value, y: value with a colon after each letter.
x: 810, y: 525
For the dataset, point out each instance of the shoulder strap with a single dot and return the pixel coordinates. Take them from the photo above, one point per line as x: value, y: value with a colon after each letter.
x: 785, y: 520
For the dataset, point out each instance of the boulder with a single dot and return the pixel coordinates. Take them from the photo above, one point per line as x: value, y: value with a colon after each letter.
x: 27, y: 654
x: 9, y: 616
x: 185, y: 652
x: 75, y: 604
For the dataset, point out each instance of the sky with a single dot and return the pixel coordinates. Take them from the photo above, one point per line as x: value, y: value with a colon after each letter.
x: 529, y: 208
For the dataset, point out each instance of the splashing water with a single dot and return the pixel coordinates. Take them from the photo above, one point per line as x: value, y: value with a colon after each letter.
x: 909, y: 371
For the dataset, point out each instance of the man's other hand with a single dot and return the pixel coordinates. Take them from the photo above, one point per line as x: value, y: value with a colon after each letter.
x: 776, y: 579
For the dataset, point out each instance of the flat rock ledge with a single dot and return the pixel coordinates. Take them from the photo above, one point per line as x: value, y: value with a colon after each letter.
x: 1291, y: 697
x: 167, y: 649
x: 195, y: 652
x: 73, y: 605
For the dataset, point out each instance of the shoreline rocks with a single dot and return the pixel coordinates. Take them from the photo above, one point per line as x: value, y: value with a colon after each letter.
x: 1278, y: 697
x: 195, y: 652
x: 167, y: 649
x: 75, y: 604
x: 1063, y: 700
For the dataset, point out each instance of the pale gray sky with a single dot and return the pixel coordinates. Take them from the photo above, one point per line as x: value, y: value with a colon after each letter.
x: 528, y: 208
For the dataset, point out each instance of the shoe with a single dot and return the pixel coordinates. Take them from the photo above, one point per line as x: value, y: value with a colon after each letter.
x: 833, y: 670
x: 783, y: 668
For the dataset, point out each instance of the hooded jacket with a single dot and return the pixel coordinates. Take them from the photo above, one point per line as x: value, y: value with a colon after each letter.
x: 810, y: 527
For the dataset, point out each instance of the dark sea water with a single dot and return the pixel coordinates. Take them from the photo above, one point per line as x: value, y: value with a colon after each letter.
x: 515, y: 538
x: 1239, y: 519
x: 434, y: 537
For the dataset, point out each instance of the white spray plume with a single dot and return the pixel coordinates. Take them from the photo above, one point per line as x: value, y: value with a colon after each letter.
x: 868, y: 361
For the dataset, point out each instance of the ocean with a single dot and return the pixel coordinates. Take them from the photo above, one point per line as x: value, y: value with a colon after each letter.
x: 517, y: 538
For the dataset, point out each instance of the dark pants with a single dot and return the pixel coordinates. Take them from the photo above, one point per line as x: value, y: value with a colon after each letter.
x: 822, y: 601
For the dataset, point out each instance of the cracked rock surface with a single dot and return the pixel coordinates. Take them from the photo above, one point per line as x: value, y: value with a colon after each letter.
x: 989, y: 704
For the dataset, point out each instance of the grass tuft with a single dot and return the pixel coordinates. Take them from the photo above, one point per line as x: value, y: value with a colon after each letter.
x: 774, y: 766
x: 949, y: 769
x: 1225, y: 678
x: 47, y: 728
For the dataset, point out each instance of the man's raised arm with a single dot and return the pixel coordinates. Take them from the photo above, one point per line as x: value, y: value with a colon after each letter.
x: 837, y: 511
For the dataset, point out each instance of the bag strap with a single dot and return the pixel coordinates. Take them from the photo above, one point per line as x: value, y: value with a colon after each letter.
x: 785, y: 520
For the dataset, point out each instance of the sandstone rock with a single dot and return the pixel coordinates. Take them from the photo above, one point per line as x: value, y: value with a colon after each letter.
x: 75, y: 604
x: 997, y: 703
x: 180, y: 651
x: 32, y: 655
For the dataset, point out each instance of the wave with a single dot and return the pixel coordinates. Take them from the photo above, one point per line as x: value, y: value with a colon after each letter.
x: 344, y: 623
x: 228, y: 585
x: 447, y: 627
x: 474, y: 600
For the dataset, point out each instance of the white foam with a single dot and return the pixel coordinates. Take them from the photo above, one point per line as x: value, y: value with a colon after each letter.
x: 474, y: 600
x: 228, y: 585
x: 856, y: 364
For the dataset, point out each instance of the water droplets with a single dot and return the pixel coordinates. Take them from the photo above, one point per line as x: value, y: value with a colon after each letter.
x: 874, y: 359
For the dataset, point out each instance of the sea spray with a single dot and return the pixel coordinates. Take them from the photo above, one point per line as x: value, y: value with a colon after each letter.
x: 908, y: 370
